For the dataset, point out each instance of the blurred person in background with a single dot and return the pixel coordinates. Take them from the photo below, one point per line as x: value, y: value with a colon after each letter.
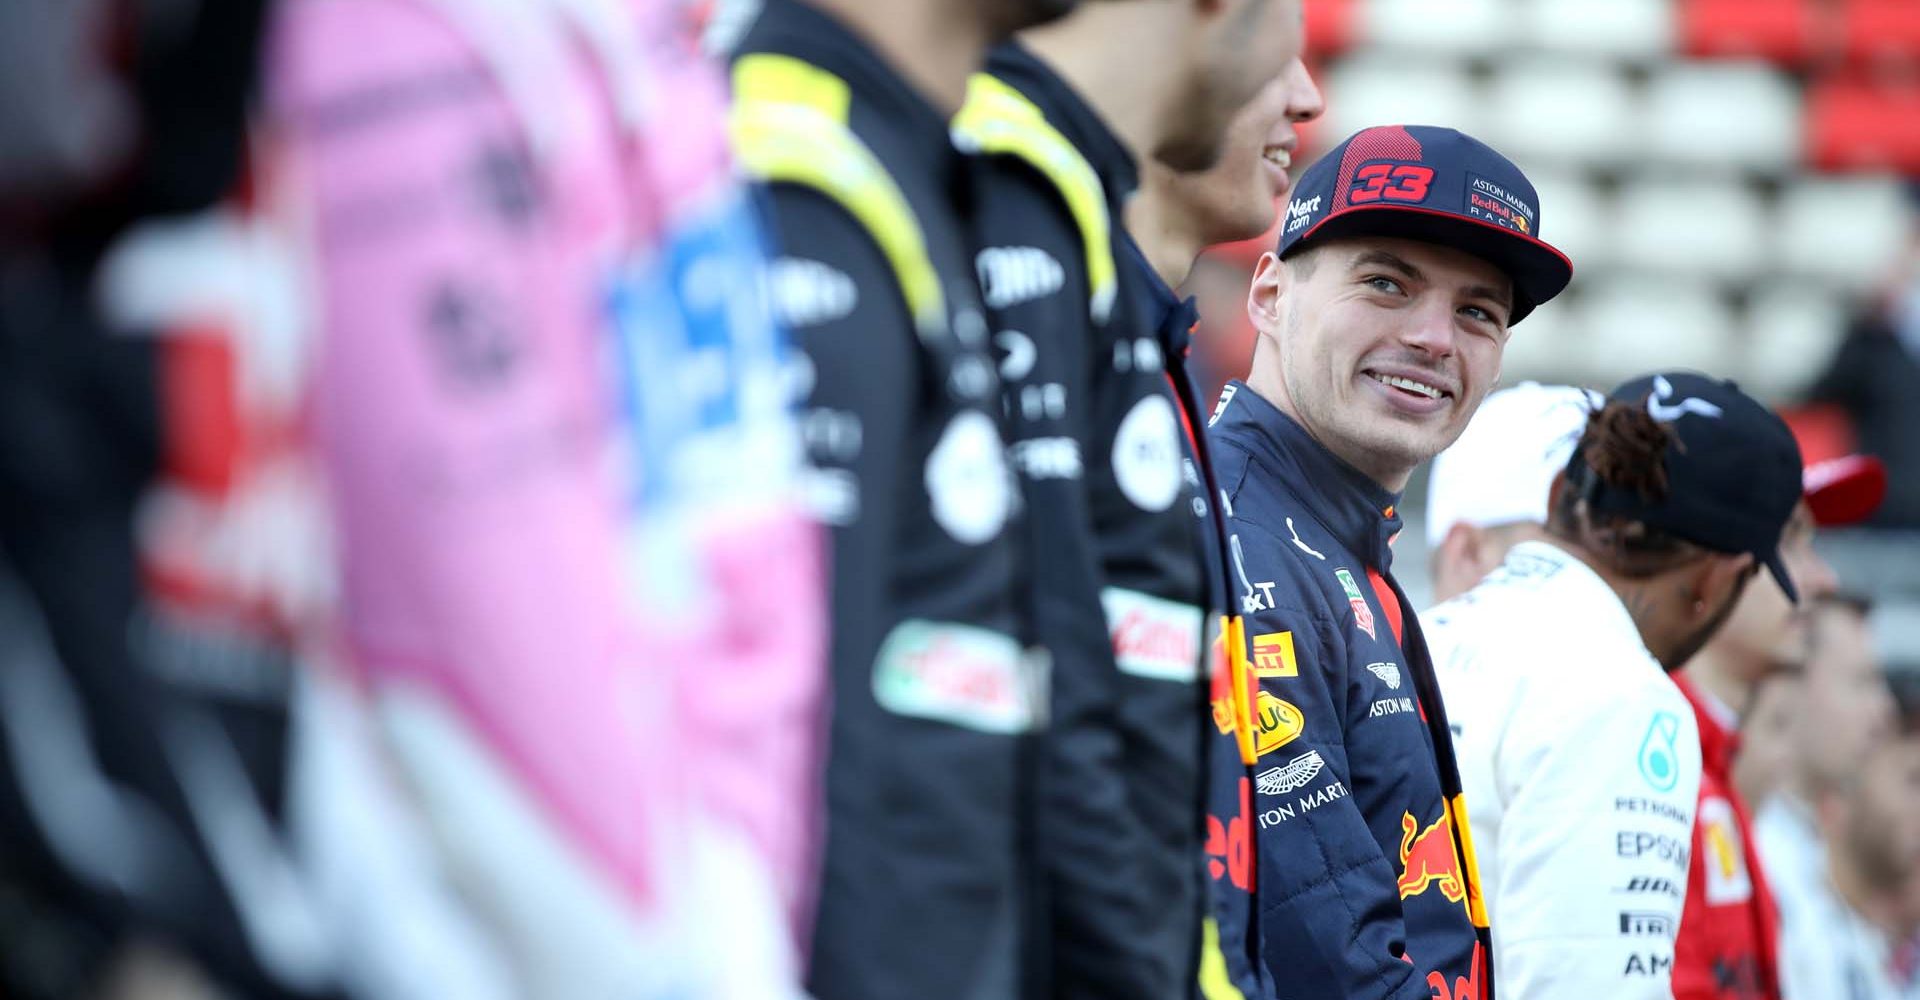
x: 1872, y: 377
x: 1582, y: 762
x: 1765, y: 754
x: 1844, y: 712
x: 1727, y: 944
x: 1844, y: 939
x: 1383, y: 313
x: 145, y: 735
x: 1182, y: 211
x: 1905, y: 970
x: 1066, y: 118
x: 1488, y: 491
x: 843, y: 112
x: 577, y: 593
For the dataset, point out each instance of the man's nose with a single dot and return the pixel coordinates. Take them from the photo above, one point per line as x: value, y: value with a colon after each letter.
x: 1430, y: 329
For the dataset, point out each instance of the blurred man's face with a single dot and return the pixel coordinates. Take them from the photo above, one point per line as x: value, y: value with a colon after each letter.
x: 1847, y: 708
x: 1382, y: 348
x: 1769, y: 736
x: 1470, y: 552
x: 1880, y: 824
x: 1234, y: 48
x: 1766, y: 628
x: 1236, y: 198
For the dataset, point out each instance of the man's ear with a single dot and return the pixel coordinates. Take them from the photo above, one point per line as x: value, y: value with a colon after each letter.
x: 1721, y: 579
x: 1266, y: 297
x: 1555, y: 490
x: 1457, y: 559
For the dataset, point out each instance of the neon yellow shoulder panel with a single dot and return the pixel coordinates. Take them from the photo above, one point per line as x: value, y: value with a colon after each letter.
x: 999, y: 119
x: 1215, y: 984
x: 789, y: 125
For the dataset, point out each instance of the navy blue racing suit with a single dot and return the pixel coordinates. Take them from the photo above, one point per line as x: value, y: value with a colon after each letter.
x: 1365, y: 884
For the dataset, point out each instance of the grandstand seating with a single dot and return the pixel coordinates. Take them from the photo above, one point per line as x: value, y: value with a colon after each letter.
x: 1842, y: 231
x: 1785, y: 31
x: 1637, y: 30
x: 1723, y: 115
x: 1727, y: 175
x: 1855, y: 123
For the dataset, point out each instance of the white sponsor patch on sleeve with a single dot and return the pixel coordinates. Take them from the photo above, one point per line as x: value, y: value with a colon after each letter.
x: 1292, y: 775
x: 1153, y: 637
x: 968, y: 676
x: 806, y: 292
x: 1146, y: 454
x: 968, y: 479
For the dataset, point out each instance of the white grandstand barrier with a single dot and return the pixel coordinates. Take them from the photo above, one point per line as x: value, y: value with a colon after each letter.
x: 1457, y: 27
x: 1379, y: 90
x: 1552, y: 109
x: 1743, y: 116
x: 1847, y: 231
x: 1637, y: 30
x: 1574, y: 216
x: 1545, y: 346
x: 1792, y: 330
x: 1634, y: 324
x: 1710, y: 228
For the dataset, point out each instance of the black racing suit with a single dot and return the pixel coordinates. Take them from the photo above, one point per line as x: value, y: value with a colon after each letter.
x: 1117, y: 581
x: 932, y: 692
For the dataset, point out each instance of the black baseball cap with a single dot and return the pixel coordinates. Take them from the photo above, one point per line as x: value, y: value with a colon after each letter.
x: 1437, y: 185
x: 1733, y: 469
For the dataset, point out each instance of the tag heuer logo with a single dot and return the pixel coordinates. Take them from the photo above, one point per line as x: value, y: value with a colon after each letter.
x: 1291, y: 775
x: 1389, y: 672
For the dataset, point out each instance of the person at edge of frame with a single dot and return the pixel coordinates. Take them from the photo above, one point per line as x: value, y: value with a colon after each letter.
x: 841, y: 111
x: 1728, y: 948
x: 1097, y: 398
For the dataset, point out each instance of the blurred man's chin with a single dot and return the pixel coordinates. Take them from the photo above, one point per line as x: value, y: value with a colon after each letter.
x: 1019, y: 15
x: 1254, y: 219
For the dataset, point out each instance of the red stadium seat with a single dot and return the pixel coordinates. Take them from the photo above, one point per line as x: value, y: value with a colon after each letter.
x: 1785, y: 31
x: 1823, y: 430
x: 1331, y: 26
x: 1881, y: 31
x: 1862, y: 125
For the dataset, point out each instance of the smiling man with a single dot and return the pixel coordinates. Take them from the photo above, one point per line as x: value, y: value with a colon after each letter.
x: 1407, y: 253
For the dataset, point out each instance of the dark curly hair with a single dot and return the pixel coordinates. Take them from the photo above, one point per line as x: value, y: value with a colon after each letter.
x: 1622, y: 449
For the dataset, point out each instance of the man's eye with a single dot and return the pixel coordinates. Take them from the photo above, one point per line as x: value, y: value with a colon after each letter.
x: 1383, y: 284
x: 1484, y: 315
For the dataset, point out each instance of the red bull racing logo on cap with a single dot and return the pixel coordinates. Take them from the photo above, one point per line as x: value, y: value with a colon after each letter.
x: 1496, y: 204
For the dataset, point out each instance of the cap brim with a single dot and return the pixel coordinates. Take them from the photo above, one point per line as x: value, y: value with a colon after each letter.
x: 1539, y: 271
x: 1845, y: 490
x: 1778, y: 567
